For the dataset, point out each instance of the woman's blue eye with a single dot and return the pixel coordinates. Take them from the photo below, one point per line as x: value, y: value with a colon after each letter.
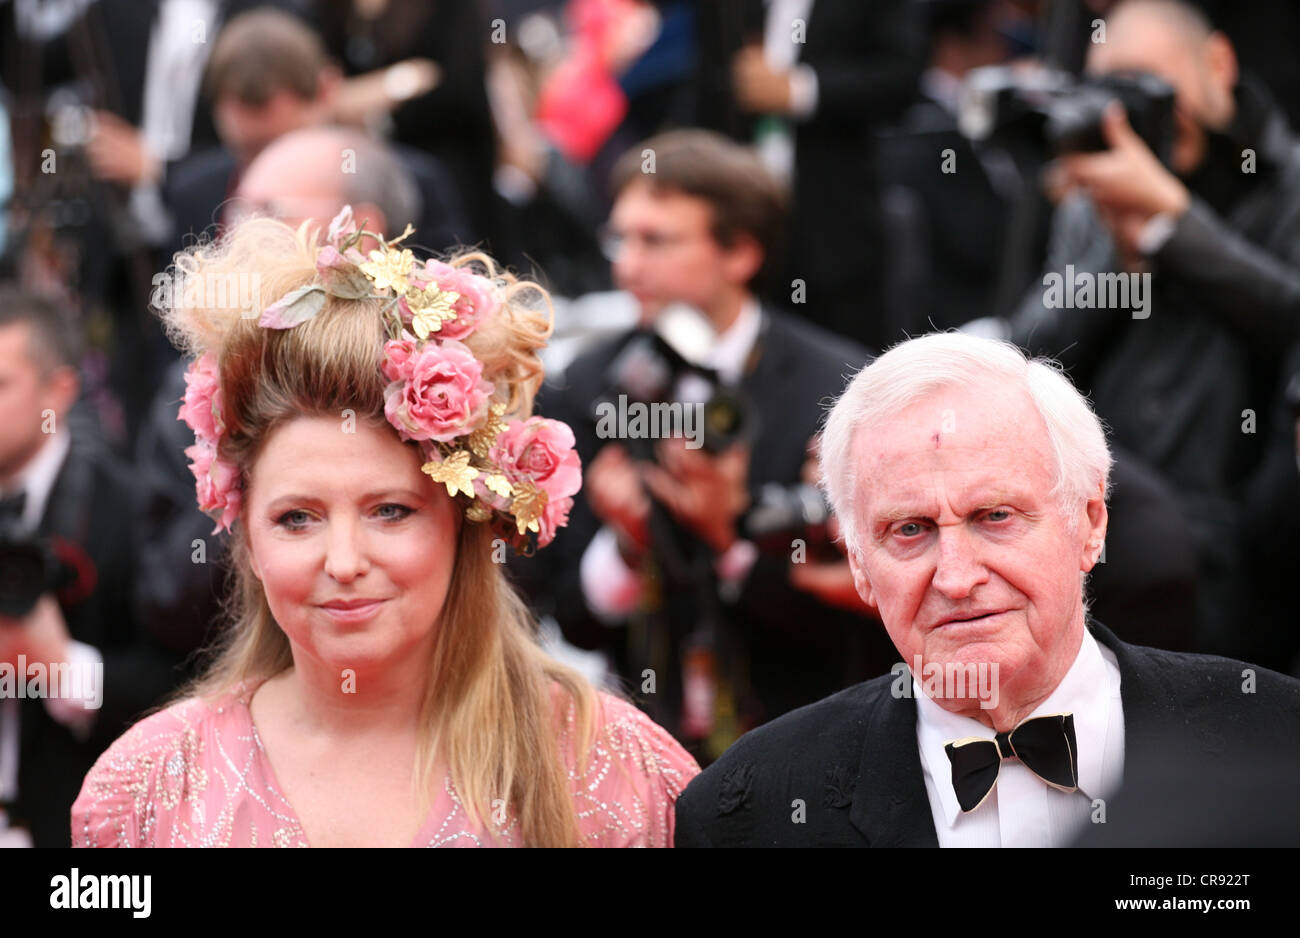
x: 285, y: 520
x: 401, y: 512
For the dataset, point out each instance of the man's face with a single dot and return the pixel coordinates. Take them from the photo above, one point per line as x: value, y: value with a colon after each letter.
x: 1141, y: 40
x: 248, y: 129
x: 964, y: 553
x: 26, y: 392
x: 667, y: 252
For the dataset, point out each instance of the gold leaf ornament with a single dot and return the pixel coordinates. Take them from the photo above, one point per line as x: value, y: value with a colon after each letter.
x: 430, y: 308
x: 529, y: 503
x: 484, y: 438
x: 455, y: 472
x: 389, y: 268
x: 499, y: 484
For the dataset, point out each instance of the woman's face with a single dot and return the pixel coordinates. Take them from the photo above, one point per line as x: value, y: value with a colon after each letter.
x: 338, y: 519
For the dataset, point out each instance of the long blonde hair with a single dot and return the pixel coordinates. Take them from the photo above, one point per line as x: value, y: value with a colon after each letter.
x: 490, y: 711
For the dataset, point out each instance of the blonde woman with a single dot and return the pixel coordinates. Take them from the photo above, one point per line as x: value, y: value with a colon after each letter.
x: 365, y: 435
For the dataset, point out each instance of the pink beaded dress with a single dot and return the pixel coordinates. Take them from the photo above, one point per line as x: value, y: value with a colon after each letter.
x: 196, y: 775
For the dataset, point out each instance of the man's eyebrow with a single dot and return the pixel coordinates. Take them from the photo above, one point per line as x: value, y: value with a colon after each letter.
x: 1002, y: 497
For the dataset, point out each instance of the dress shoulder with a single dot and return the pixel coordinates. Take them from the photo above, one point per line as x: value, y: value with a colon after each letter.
x: 629, y: 782
x: 143, y: 778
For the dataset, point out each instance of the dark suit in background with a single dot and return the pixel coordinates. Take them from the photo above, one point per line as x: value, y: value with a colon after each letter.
x: 867, y: 57
x: 90, y: 506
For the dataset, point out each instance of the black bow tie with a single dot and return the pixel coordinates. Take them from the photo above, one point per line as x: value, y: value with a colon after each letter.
x: 11, y: 508
x: 1045, y: 745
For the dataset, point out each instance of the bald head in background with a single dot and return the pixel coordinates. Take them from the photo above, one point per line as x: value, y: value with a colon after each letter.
x: 1176, y: 42
x: 310, y: 174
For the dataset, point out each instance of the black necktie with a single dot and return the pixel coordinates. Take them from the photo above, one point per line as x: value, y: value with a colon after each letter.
x: 11, y: 509
x: 1046, y: 746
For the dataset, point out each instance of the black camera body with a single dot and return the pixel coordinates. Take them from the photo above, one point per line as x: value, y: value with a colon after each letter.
x: 31, y: 566
x: 1057, y: 113
x: 645, y: 374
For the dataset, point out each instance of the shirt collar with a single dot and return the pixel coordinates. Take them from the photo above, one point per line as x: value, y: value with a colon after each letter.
x: 38, y: 476
x: 1085, y: 691
x: 732, y: 348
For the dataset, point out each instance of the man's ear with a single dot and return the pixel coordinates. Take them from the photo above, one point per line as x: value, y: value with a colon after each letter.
x: 743, y: 259
x: 62, y: 388
x: 862, y: 582
x: 1221, y: 60
x: 1095, y: 527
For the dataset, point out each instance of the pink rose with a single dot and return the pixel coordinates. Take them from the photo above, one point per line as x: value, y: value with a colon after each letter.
x: 443, y: 396
x: 216, y: 484
x: 540, y: 451
x: 397, y: 359
x: 554, y: 516
x: 478, y: 297
x: 203, y: 401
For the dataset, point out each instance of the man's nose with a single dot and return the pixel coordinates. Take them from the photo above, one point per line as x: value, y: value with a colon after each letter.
x: 346, y: 555
x: 959, y: 568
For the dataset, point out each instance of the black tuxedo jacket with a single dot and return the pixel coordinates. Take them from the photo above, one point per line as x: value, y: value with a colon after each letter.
x: 799, y: 648
x: 853, y: 760
x: 867, y: 57
x: 91, y: 507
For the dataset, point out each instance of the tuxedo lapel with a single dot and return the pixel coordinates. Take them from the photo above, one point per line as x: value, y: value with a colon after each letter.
x: 890, y: 806
x: 1150, y: 716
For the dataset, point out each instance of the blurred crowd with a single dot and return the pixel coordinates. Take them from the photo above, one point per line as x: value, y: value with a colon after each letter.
x: 734, y: 204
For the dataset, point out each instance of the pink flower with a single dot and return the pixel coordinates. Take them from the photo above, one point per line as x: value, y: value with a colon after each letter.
x: 216, y: 484
x: 341, y: 226
x: 478, y: 297
x: 443, y: 395
x: 397, y: 359
x: 554, y: 516
x: 540, y: 451
x: 203, y: 401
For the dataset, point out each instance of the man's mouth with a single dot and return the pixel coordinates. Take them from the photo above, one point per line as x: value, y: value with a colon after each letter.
x: 968, y: 618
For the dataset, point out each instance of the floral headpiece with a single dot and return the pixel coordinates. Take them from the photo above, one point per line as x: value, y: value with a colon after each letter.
x: 521, y: 474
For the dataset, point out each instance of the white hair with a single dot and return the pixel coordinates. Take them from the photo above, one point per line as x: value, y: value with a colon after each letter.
x: 912, y: 370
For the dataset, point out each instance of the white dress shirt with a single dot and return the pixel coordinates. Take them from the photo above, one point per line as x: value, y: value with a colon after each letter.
x: 612, y: 589
x: 1023, y: 810
x: 37, y: 479
x: 179, y: 45
x: 774, y: 142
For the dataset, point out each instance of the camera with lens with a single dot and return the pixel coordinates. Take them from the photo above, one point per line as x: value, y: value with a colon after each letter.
x: 31, y: 566
x: 650, y: 372
x: 1056, y: 113
x: 658, y: 388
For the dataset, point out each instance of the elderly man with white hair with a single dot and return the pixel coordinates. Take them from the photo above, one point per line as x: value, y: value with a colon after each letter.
x: 970, y: 485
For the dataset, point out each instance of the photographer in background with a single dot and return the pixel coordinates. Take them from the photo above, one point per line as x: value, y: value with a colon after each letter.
x: 67, y: 565
x: 678, y: 553
x: 1218, y: 230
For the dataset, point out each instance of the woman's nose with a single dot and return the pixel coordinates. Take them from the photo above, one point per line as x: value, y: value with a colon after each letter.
x: 346, y: 557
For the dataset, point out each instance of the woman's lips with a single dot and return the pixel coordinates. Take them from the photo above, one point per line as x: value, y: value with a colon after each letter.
x: 359, y: 612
